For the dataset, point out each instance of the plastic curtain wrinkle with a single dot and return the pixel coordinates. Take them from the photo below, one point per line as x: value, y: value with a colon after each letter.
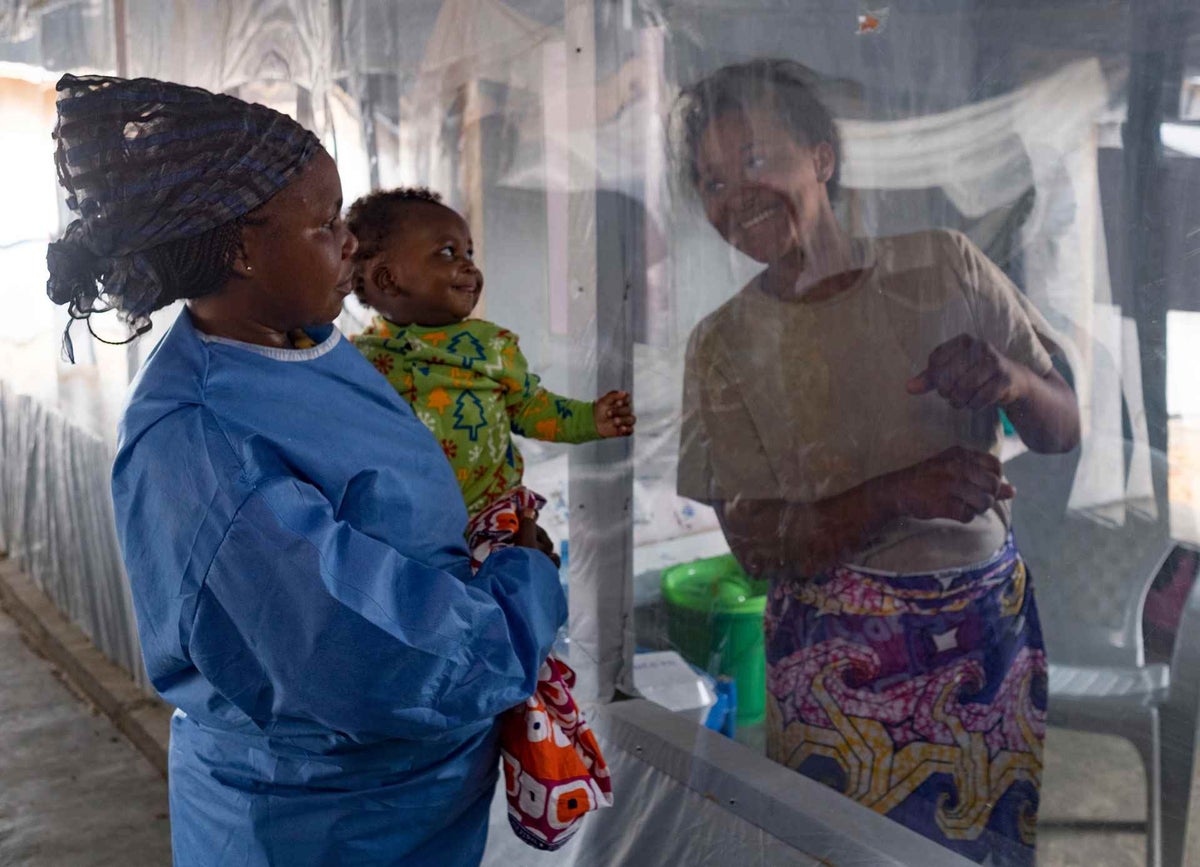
x: 60, y: 37
x: 285, y: 42
x: 667, y: 823
x: 970, y: 150
x: 16, y: 25
x: 688, y: 796
x: 655, y: 820
x: 56, y: 522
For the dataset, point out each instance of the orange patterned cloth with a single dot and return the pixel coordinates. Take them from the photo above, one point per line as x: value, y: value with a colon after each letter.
x: 497, y: 526
x: 554, y: 774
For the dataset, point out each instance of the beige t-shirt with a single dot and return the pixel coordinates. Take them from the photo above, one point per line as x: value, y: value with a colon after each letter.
x: 804, y: 400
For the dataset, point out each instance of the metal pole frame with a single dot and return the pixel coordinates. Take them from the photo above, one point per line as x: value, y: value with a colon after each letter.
x: 1158, y: 33
x: 600, y: 303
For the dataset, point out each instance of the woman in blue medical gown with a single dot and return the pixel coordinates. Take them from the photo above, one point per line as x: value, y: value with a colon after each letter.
x: 292, y: 533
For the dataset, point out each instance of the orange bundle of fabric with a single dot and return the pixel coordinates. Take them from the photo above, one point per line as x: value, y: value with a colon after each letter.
x: 554, y: 773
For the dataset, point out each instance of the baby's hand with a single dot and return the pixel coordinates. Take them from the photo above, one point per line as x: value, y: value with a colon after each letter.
x: 614, y: 415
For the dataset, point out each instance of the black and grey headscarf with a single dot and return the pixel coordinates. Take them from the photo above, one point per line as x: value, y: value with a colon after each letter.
x: 147, y: 163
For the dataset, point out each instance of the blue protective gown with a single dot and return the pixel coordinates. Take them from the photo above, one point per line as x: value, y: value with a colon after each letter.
x: 293, y: 537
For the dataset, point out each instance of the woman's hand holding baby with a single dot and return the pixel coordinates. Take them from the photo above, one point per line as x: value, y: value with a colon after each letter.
x: 531, y: 535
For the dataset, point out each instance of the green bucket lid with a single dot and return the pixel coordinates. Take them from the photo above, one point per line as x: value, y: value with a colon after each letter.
x: 716, y: 585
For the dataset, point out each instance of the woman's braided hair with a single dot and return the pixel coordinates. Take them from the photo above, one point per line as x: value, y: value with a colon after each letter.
x: 170, y: 272
x: 163, y: 177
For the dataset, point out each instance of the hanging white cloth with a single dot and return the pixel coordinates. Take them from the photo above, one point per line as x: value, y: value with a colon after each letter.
x: 981, y: 156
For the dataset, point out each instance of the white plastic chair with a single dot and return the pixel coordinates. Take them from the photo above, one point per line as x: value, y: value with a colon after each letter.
x: 1091, y: 581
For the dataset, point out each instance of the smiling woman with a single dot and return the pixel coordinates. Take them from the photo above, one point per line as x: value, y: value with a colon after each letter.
x: 765, y: 158
x: 841, y: 416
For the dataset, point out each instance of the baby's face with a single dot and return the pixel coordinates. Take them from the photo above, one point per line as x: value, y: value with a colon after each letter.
x: 433, y: 278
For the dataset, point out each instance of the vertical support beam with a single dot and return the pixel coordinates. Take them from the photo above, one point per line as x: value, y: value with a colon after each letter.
x: 133, y: 359
x: 1158, y: 32
x: 366, y: 109
x: 472, y: 177
x: 658, y: 311
x: 556, y: 162
x: 601, y: 474
x: 1157, y: 39
x: 121, y: 36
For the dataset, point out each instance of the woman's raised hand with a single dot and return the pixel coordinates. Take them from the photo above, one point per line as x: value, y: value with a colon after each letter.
x: 971, y: 374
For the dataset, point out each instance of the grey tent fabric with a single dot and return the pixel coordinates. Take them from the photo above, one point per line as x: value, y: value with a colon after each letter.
x: 56, y: 522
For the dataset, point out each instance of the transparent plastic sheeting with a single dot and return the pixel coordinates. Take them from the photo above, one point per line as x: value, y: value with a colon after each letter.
x: 691, y: 796
x: 552, y: 125
x: 56, y: 522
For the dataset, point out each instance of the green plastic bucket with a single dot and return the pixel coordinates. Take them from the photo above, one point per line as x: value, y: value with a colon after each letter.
x: 715, y: 621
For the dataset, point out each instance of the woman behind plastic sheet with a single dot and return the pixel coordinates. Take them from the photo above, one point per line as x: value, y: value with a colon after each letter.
x: 841, y: 414
x: 292, y: 533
